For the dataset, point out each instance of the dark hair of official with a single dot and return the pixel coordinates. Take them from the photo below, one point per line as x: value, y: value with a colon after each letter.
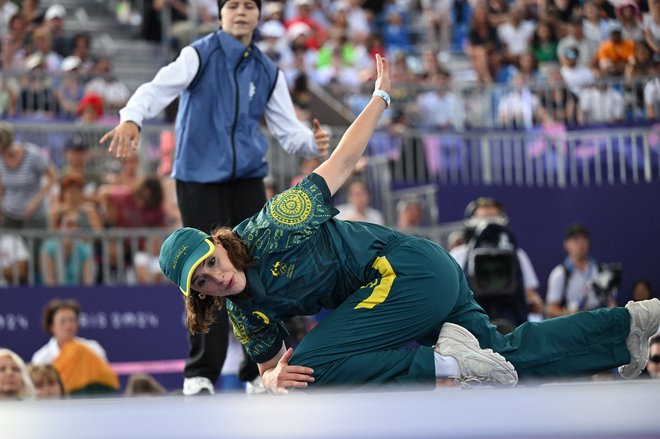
x: 55, y: 305
x: 200, y: 313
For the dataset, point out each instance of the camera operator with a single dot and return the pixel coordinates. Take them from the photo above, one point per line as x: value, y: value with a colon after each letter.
x: 486, y: 229
x: 577, y: 283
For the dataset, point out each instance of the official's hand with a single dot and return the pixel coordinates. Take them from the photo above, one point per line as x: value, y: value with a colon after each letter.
x: 382, y: 74
x: 321, y: 138
x: 124, y: 136
x: 283, y: 377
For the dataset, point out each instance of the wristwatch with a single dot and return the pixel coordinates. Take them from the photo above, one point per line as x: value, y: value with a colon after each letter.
x: 384, y: 95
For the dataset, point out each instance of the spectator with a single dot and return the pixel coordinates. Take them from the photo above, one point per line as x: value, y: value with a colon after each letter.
x: 37, y: 96
x: 69, y: 92
x: 43, y: 45
x: 47, y: 381
x: 357, y: 207
x: 81, y: 47
x: 54, y: 22
x: 7, y: 10
x: 651, y: 26
x: 653, y: 363
x: 528, y: 67
x: 60, y: 321
x: 520, y: 108
x: 396, y: 34
x: 14, y: 259
x: 90, y: 109
x: 544, y: 44
x: 652, y: 93
x: 113, y: 92
x: 615, y: 53
x: 409, y: 213
x: 138, y: 207
x: 482, y: 47
x: 274, y: 45
x: 576, y: 38
x: 76, y: 157
x: 318, y: 34
x: 628, y: 14
x: 600, y: 103
x: 514, y: 35
x: 142, y: 385
x: 559, y: 12
x: 642, y: 290
x: 22, y: 194
x: 15, y: 381
x: 558, y: 102
x: 71, y: 198
x: 32, y: 14
x: 67, y: 259
x: 437, y: 17
x: 570, y: 287
x: 128, y: 175
x: 636, y: 72
x: 14, y: 52
x: 595, y: 25
x: 7, y: 97
x: 82, y: 363
x: 576, y: 76
x: 526, y: 302
x: 438, y: 107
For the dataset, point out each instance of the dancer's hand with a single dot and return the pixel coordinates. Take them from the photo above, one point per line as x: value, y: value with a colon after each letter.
x: 382, y: 74
x: 283, y: 377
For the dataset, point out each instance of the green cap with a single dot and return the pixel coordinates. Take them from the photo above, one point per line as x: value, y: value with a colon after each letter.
x: 181, y: 253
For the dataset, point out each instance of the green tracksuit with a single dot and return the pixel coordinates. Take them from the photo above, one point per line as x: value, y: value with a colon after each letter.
x: 387, y: 289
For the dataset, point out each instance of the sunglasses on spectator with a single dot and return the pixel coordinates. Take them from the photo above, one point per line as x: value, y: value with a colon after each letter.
x: 655, y: 359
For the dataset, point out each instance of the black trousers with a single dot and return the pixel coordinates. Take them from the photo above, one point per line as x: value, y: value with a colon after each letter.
x: 205, y: 207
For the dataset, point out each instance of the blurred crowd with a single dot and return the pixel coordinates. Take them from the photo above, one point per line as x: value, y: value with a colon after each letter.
x: 561, y: 61
x: 49, y: 73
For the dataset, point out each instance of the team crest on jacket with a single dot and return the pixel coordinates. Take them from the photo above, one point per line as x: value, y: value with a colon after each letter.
x: 253, y: 90
x: 291, y: 207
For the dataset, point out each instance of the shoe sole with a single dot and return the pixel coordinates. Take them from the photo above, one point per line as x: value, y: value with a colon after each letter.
x: 465, y: 338
x: 654, y: 322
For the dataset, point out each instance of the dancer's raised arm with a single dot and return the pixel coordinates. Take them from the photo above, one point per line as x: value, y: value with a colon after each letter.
x: 339, y: 166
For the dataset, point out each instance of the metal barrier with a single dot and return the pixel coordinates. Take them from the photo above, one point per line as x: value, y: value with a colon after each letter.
x: 115, y: 249
x: 113, y: 256
x: 551, y: 156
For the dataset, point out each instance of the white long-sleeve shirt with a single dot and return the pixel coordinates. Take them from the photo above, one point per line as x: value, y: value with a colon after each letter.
x: 152, y: 97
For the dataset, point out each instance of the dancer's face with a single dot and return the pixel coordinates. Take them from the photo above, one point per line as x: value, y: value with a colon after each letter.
x: 217, y: 276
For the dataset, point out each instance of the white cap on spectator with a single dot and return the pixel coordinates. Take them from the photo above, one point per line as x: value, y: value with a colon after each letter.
x: 304, y: 2
x: 55, y: 11
x: 33, y: 61
x: 272, y: 29
x: 298, y: 29
x: 271, y: 8
x: 69, y: 63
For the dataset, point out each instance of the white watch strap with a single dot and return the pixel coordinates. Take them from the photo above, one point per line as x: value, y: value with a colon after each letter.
x: 384, y: 95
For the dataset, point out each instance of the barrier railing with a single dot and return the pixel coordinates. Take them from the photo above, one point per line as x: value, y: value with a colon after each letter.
x: 115, y: 250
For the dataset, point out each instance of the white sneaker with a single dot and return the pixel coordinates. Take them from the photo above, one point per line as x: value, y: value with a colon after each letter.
x: 476, y: 365
x: 197, y: 386
x: 644, y: 322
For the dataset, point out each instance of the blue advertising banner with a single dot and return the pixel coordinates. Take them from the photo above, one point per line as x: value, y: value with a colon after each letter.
x: 141, y: 328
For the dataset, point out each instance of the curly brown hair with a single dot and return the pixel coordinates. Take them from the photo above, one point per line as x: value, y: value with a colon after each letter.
x: 200, y: 313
